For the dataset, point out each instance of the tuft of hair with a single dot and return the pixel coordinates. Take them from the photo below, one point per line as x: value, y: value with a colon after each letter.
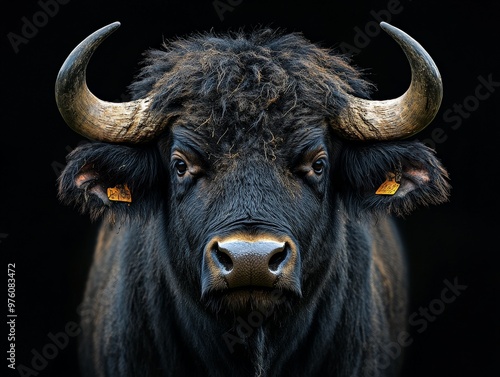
x: 247, y: 72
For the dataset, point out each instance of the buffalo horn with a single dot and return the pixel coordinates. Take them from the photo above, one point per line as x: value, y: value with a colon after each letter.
x: 90, y: 116
x: 400, y: 117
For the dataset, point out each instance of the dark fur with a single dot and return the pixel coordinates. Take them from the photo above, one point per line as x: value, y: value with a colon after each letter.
x: 247, y: 109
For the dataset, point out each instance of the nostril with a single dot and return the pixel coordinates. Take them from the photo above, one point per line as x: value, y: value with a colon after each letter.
x: 250, y: 262
x: 224, y: 259
x: 277, y: 259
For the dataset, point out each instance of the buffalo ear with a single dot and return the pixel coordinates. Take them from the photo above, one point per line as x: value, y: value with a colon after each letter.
x: 83, y: 182
x: 87, y: 180
x: 100, y: 177
x: 394, y: 177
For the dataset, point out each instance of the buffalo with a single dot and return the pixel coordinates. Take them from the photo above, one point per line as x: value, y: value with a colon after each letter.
x: 247, y: 197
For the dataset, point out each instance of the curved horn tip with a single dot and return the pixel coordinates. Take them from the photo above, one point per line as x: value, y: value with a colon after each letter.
x: 112, y: 26
x: 397, y: 33
x: 391, y: 30
x: 416, y: 50
x: 106, y: 30
x: 386, y: 26
x: 87, y: 44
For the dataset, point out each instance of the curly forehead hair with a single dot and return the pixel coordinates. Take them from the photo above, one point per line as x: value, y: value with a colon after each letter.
x: 242, y: 74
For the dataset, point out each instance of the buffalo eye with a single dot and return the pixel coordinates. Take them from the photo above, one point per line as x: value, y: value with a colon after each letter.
x: 185, y: 164
x: 318, y: 166
x: 312, y: 165
x: 180, y: 167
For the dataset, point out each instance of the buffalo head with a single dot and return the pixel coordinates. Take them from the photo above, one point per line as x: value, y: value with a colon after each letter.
x: 250, y: 163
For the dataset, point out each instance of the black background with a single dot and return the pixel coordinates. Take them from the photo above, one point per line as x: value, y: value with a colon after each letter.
x: 51, y: 244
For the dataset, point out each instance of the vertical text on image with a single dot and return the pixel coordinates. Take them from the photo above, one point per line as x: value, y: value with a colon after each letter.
x: 11, y: 315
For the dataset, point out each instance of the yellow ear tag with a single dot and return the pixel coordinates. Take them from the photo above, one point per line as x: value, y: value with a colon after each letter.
x: 119, y: 193
x: 389, y: 187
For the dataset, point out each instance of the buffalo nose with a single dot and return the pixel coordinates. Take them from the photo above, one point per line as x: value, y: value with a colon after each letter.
x: 250, y: 263
x: 257, y: 262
